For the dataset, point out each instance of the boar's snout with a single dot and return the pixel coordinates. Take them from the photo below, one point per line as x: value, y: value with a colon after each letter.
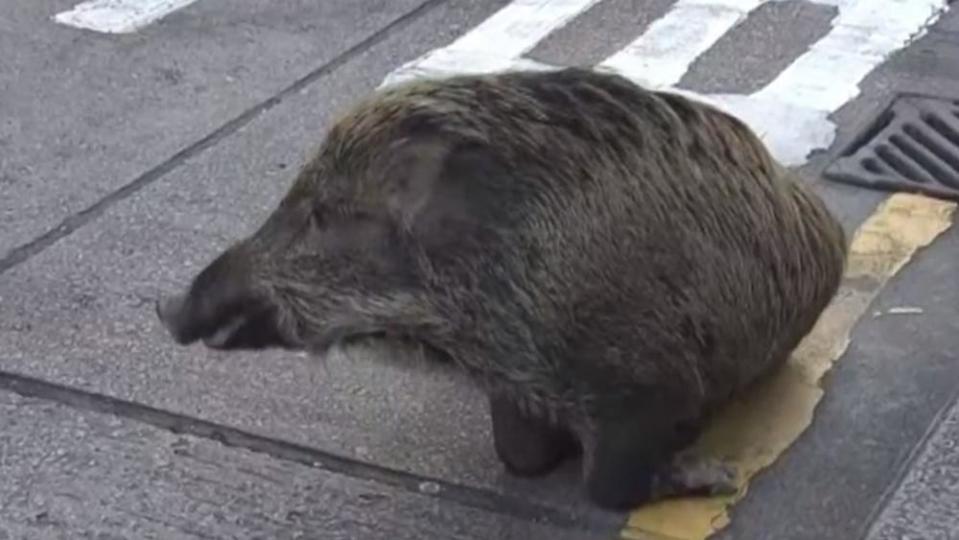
x: 223, y: 309
x: 245, y: 325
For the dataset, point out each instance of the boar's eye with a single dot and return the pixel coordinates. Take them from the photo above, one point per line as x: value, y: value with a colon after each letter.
x: 330, y: 215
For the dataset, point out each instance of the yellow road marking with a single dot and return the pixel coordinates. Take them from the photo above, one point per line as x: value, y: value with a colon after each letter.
x: 755, y: 429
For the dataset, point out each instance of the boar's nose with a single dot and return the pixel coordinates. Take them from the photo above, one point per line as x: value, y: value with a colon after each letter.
x: 169, y: 311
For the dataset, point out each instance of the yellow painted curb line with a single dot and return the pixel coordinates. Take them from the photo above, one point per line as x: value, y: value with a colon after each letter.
x: 756, y: 428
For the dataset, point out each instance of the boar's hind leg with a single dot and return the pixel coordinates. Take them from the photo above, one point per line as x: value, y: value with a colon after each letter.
x: 630, y: 462
x: 527, y: 446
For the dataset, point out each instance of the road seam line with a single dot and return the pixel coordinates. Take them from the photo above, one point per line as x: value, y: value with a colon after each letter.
x: 469, y: 496
x: 81, y: 218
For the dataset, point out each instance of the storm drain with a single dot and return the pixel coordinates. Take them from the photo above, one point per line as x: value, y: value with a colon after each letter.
x: 912, y: 146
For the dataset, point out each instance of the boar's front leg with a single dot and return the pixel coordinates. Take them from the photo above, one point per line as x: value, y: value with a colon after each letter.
x: 634, y: 460
x: 528, y: 446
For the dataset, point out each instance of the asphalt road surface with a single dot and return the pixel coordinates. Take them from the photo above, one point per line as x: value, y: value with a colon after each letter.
x: 140, y: 137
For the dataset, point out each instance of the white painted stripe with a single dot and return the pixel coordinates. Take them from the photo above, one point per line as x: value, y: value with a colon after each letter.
x: 497, y: 43
x: 118, y: 16
x: 443, y: 62
x: 661, y: 56
x: 791, y: 113
x: 790, y: 131
x: 517, y: 27
x: 864, y: 34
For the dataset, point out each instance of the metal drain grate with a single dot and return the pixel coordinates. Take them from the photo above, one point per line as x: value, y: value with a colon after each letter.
x: 912, y: 146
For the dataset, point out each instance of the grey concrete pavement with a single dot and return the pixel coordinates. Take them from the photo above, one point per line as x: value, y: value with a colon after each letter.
x: 579, y: 43
x: 748, y: 59
x: 99, y: 285
x: 926, y: 503
x: 75, y: 474
x: 82, y: 115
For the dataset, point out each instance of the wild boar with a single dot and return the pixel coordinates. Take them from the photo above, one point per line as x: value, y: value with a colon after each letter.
x: 609, y: 263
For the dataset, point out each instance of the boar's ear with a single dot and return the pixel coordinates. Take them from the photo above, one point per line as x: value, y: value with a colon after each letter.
x: 441, y: 192
x: 413, y: 171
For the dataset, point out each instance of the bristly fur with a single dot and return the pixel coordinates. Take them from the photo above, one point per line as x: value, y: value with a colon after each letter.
x: 626, y: 242
x: 568, y: 238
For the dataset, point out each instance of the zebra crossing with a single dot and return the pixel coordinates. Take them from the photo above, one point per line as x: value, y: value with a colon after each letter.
x: 791, y: 113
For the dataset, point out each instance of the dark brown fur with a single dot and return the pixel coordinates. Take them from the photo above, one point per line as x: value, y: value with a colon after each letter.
x: 610, y: 263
